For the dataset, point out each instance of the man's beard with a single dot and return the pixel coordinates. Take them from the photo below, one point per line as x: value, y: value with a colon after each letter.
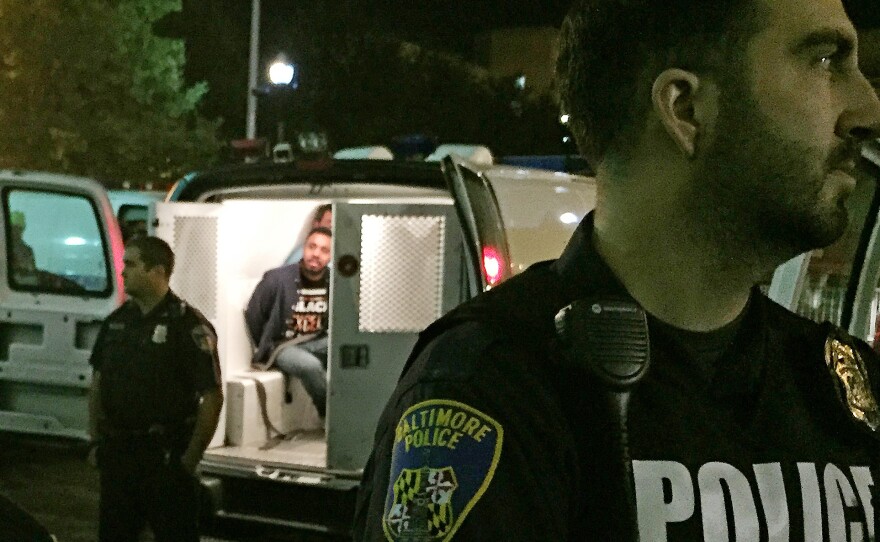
x: 756, y: 197
x: 313, y: 273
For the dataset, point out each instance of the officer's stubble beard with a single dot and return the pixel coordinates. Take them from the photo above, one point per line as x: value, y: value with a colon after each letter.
x: 755, y: 200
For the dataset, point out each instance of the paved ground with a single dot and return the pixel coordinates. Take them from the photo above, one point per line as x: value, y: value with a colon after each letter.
x: 52, y: 481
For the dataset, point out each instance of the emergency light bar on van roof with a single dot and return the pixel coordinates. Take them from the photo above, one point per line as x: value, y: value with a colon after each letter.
x: 476, y: 154
x: 376, y: 152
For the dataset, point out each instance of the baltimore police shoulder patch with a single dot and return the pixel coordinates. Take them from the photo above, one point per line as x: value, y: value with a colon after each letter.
x: 445, y: 454
x: 204, y: 337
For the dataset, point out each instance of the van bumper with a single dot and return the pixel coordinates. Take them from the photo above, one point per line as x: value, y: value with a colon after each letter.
x: 288, y: 499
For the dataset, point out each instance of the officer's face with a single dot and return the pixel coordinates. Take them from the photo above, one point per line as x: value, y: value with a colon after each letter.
x: 137, y: 279
x: 316, y: 253
x: 777, y: 168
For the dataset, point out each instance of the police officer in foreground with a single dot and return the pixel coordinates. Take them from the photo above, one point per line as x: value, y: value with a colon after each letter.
x: 724, y: 135
x: 154, y: 404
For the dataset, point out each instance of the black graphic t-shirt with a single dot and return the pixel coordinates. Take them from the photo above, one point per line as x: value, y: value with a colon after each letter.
x: 308, y: 315
x: 491, y: 436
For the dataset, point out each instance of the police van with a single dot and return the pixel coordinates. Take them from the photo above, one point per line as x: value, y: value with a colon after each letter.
x: 410, y: 241
x: 409, y: 244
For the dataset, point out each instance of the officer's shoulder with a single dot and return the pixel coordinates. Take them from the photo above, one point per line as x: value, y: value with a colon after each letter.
x: 122, y: 311
x: 824, y: 337
x: 189, y: 314
x: 789, y: 321
x: 462, y: 350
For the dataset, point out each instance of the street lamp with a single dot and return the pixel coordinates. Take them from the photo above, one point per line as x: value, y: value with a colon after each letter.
x: 282, y: 72
x: 252, y: 70
x: 283, y: 79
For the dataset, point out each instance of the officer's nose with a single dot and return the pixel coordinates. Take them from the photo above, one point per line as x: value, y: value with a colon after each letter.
x: 861, y: 119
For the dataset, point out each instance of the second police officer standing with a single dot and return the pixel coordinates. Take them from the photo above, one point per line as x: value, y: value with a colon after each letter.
x: 154, y: 404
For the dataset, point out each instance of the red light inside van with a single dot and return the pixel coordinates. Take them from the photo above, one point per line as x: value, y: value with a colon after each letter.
x: 492, y: 265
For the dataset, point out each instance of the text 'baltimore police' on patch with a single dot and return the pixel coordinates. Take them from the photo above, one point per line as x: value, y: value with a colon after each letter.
x: 445, y: 453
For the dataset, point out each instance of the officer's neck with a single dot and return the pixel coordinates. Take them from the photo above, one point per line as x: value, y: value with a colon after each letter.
x: 669, y: 265
x: 147, y: 301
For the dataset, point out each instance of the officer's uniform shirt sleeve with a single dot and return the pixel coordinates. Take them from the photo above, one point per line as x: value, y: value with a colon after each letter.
x: 472, y: 443
x: 199, y: 351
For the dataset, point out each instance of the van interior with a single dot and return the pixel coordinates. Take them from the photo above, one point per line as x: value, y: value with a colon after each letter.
x: 260, y: 423
x: 260, y: 426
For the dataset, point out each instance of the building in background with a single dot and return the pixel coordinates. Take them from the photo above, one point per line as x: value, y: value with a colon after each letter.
x: 528, y: 52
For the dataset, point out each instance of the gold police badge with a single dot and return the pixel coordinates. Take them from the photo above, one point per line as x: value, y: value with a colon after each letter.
x: 851, y: 378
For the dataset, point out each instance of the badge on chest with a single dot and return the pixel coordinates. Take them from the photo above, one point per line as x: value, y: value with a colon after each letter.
x: 850, y: 376
x: 160, y: 334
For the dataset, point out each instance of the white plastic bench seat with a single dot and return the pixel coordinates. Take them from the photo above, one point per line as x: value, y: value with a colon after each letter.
x: 244, y: 418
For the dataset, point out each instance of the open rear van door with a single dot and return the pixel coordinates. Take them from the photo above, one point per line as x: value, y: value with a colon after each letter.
x: 61, y: 278
x: 485, y: 237
x: 514, y: 216
x: 397, y: 268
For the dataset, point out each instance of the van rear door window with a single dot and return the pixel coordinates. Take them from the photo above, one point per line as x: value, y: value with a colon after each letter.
x: 55, y: 244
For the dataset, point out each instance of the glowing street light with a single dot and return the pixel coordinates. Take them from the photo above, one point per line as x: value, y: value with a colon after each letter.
x: 281, y: 72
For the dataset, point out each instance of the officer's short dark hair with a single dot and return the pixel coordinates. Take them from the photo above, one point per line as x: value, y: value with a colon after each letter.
x: 320, y: 229
x: 611, y: 51
x: 321, y: 211
x: 153, y: 252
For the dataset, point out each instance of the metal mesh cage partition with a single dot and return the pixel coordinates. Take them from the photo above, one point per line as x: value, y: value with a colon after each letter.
x: 401, y: 281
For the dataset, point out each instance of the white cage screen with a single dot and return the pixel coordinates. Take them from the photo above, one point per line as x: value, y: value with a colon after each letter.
x: 195, y: 254
x: 401, y: 288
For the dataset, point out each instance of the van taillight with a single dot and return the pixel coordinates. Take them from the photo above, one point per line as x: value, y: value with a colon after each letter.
x: 493, y: 264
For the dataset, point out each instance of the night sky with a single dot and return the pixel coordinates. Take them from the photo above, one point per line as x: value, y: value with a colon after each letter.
x: 440, y: 24
x: 293, y: 27
x: 219, y: 32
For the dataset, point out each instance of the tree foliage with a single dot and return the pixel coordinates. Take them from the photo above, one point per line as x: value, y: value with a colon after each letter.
x: 86, y: 88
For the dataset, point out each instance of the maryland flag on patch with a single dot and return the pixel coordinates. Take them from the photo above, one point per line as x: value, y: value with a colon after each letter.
x: 423, y: 502
x: 444, y: 457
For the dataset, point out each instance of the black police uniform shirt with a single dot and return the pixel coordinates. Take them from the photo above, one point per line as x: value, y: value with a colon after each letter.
x: 490, y: 435
x: 154, y: 366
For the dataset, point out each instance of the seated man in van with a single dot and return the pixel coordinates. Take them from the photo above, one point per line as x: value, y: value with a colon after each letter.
x: 287, y: 317
x: 323, y: 216
x: 24, y: 266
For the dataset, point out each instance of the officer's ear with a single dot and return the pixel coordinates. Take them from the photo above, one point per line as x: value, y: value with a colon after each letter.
x: 159, y: 271
x: 685, y: 105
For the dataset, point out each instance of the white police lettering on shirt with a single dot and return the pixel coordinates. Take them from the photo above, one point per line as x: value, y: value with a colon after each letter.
x: 736, y: 505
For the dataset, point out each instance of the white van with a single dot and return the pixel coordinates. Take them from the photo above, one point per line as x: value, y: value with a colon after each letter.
x: 63, y: 253
x: 408, y: 246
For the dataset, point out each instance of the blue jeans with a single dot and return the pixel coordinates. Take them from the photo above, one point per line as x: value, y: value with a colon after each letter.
x: 307, y: 361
